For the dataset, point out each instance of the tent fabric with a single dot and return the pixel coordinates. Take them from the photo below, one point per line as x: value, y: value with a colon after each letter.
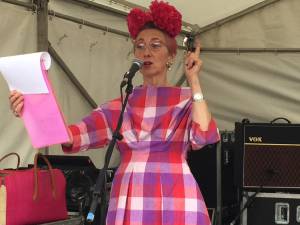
x: 201, y: 12
x: 257, y: 86
x: 274, y: 26
x: 18, y: 36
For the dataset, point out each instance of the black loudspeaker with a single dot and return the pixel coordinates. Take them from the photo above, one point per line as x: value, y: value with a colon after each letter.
x: 229, y: 184
x: 203, y: 165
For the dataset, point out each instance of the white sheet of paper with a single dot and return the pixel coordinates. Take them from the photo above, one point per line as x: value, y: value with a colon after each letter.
x: 24, y: 72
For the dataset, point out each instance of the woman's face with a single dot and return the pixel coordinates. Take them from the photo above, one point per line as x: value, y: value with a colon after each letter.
x: 150, y: 46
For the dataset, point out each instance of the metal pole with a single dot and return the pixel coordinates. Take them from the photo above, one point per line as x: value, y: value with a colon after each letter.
x: 88, y: 24
x: 72, y: 77
x: 42, y: 24
x: 250, y: 50
x: 42, y: 33
x: 242, y: 50
x: 124, y: 7
x: 236, y: 16
x: 19, y: 3
x: 93, y: 25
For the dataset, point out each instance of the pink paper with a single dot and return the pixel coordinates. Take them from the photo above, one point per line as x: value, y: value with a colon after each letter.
x: 43, y: 119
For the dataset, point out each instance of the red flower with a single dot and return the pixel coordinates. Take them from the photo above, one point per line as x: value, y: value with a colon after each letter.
x: 136, y: 19
x: 163, y: 15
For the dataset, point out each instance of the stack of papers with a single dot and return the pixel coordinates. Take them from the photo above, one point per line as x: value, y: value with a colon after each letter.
x: 41, y: 113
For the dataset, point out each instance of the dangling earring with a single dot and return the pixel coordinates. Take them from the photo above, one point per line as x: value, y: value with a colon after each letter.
x: 169, y: 65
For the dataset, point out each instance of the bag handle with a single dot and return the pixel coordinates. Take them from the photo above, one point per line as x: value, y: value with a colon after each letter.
x: 12, y: 153
x: 280, y: 118
x: 36, y: 180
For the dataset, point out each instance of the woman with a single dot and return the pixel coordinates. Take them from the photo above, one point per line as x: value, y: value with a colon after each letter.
x: 153, y: 184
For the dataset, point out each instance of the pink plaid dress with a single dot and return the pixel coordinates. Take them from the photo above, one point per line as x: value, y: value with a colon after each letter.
x: 153, y: 184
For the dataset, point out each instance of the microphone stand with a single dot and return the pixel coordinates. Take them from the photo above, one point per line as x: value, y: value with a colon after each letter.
x: 99, y: 193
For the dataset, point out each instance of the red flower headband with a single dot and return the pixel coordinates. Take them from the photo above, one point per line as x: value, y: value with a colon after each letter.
x: 163, y: 15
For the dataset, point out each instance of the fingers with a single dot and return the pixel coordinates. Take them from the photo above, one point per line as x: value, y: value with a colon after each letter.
x: 189, y: 64
x: 16, y: 102
x: 14, y: 95
x: 192, y: 59
x: 18, y: 108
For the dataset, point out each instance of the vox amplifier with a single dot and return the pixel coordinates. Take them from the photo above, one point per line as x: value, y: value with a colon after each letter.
x: 270, y: 154
x: 272, y: 209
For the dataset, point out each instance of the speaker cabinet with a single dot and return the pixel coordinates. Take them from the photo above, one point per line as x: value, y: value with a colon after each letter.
x: 203, y: 165
x: 271, y: 155
x: 204, y: 169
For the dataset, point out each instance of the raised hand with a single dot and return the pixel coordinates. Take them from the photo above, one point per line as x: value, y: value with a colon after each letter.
x: 193, y: 63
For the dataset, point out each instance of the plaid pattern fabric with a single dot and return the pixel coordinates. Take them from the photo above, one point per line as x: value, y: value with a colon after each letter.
x: 153, y: 184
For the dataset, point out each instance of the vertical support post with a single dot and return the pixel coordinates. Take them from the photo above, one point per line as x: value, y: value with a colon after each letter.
x: 219, y: 184
x: 42, y: 33
x: 42, y: 25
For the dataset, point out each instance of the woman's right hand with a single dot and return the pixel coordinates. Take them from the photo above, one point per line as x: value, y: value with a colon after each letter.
x: 16, y: 100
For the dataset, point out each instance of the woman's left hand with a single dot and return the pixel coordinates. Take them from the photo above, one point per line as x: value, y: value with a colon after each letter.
x: 193, y: 63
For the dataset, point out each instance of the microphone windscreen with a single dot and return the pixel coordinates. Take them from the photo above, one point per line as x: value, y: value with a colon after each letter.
x: 138, y: 62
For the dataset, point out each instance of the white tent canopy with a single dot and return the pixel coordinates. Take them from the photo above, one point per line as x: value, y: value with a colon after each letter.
x: 250, y: 69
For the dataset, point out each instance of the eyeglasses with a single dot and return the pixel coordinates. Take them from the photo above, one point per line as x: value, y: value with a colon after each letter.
x: 153, y: 46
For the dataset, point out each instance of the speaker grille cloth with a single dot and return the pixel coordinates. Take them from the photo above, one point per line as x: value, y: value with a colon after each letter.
x: 272, y: 166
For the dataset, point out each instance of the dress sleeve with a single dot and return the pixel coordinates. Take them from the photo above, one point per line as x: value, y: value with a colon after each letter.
x: 199, y: 138
x: 92, y: 132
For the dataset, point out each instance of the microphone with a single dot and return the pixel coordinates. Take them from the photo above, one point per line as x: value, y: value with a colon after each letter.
x: 135, y: 66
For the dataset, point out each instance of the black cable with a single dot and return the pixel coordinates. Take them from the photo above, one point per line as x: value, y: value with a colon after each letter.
x: 248, y: 203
